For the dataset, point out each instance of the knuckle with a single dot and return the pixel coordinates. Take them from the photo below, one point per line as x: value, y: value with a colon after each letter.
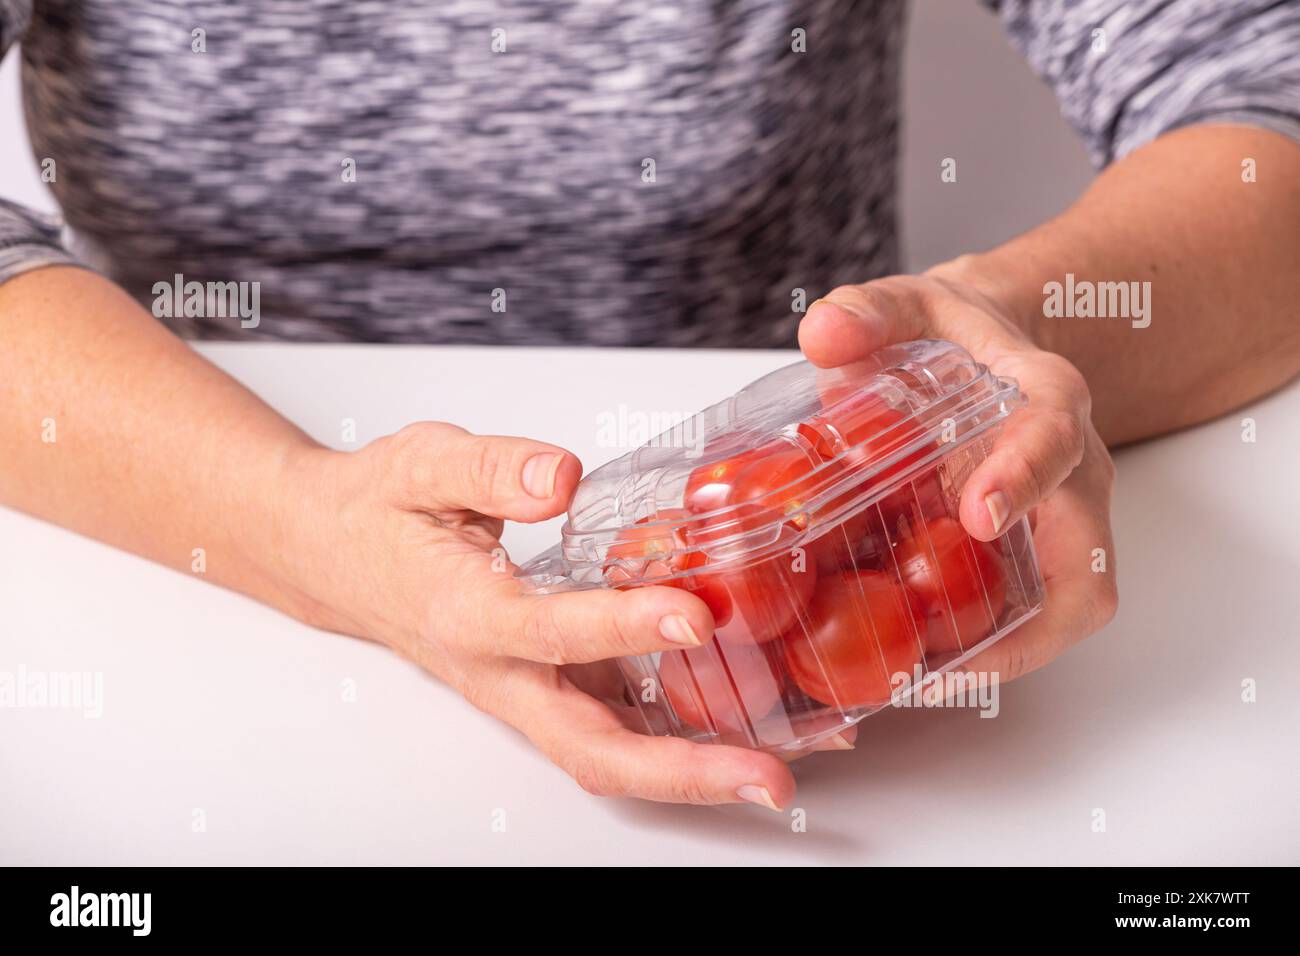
x: 1067, y: 436
x: 1107, y: 471
x: 1105, y: 603
x: 1064, y: 373
x: 415, y: 438
x: 408, y: 455
x: 543, y: 636
x: 687, y: 784
x: 690, y: 790
x: 621, y: 633
x: 1018, y: 661
x: 591, y: 774
x: 1066, y: 377
x: 482, y: 693
x: 487, y: 467
x: 688, y: 787
x: 1028, y: 475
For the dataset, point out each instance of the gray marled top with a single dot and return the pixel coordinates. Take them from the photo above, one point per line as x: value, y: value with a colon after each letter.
x: 524, y: 168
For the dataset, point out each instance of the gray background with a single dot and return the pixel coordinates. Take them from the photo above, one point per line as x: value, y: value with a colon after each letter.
x: 967, y: 95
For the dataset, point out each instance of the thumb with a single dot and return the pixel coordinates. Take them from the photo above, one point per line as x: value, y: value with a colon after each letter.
x: 853, y: 321
x: 517, y: 479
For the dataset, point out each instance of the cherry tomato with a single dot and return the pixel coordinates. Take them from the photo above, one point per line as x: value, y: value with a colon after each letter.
x: 846, y: 546
x: 767, y: 597
x: 764, y: 599
x: 914, y: 502
x: 862, y: 630
x: 750, y: 605
x: 717, y: 688
x: 786, y: 468
x: 653, y: 549
x: 864, y: 428
x: 961, y: 583
x: 709, y: 487
x: 790, y: 469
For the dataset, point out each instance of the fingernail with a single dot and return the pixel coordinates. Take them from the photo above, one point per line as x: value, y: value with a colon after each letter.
x: 843, y: 306
x: 836, y: 742
x: 539, y: 474
x: 677, y: 629
x: 753, y: 793
x: 999, y: 508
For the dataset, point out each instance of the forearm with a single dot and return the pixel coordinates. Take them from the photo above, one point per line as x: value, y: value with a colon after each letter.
x: 113, y: 427
x: 1222, y: 257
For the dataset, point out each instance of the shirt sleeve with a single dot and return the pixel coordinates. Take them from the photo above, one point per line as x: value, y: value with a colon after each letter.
x: 28, y: 239
x: 1126, y: 71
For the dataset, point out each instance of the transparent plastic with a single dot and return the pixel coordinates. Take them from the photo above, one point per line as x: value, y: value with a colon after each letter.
x: 815, y: 513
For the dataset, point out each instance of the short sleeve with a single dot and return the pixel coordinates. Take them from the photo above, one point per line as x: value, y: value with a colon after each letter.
x: 1126, y: 71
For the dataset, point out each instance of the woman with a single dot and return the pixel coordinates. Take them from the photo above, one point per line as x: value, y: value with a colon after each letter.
x: 602, y: 174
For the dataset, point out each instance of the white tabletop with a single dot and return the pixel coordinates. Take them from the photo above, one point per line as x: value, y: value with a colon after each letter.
x: 217, y: 711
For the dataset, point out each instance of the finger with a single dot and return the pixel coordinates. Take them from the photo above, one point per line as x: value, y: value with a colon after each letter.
x: 854, y: 320
x: 1037, y: 449
x: 845, y: 739
x: 1077, y: 554
x: 585, y: 739
x: 578, y: 627
x: 442, y: 467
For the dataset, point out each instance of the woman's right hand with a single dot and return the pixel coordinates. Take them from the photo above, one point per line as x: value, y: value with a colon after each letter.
x: 402, y: 546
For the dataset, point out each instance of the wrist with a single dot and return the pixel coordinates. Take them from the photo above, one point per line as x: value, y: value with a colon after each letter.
x: 304, y: 539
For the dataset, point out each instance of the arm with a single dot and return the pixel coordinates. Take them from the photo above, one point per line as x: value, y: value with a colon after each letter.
x: 1173, y: 96
x: 153, y: 449
x: 158, y: 452
x: 1223, y: 259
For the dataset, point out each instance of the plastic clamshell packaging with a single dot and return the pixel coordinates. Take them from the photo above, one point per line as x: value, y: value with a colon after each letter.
x: 815, y: 513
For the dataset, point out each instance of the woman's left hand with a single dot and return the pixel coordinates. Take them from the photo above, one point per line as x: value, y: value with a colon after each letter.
x: 1047, y: 457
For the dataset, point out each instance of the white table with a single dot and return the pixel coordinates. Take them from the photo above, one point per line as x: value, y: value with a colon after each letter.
x: 214, y: 703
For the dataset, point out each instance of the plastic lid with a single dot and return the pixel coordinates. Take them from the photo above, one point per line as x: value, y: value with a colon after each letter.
x: 819, y: 445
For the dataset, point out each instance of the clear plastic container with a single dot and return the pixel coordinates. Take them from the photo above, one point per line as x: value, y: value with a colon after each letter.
x: 815, y: 513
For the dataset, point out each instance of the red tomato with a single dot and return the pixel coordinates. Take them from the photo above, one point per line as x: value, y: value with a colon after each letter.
x: 750, y: 605
x: 912, y: 503
x: 721, y: 689
x: 961, y: 582
x: 866, y: 424
x: 845, y: 546
x: 764, y: 599
x: 651, y: 548
x: 654, y: 550
x: 788, y: 468
x: 767, y: 597
x: 852, y: 427
x: 709, y: 486
x: 862, y: 630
